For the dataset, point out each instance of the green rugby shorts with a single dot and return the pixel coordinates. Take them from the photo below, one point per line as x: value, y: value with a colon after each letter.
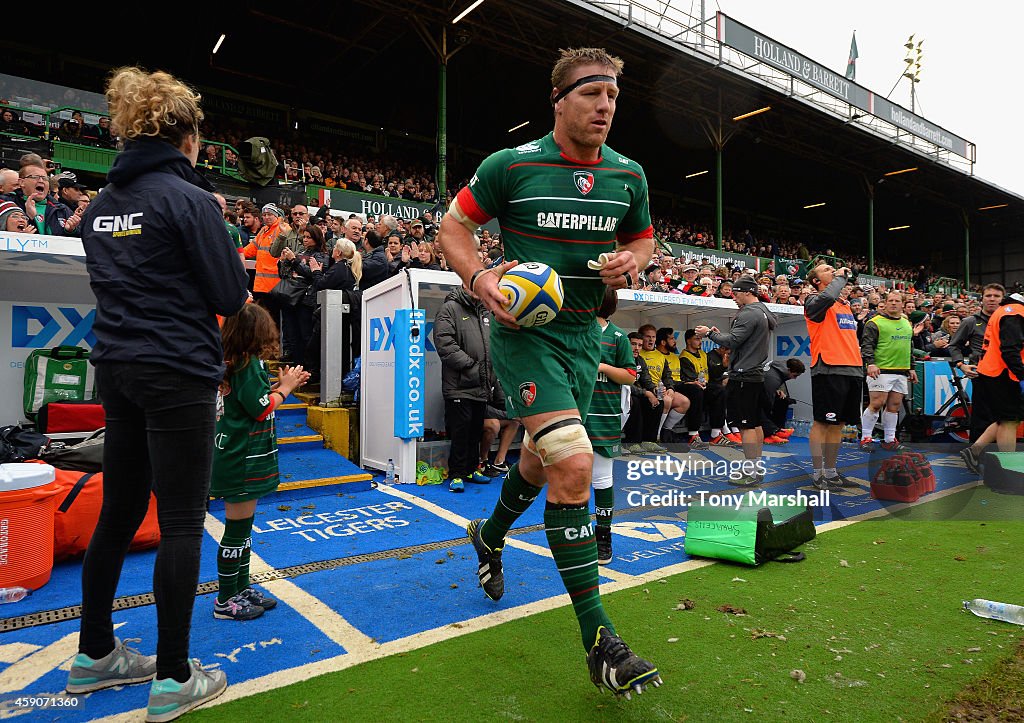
x: 546, y: 368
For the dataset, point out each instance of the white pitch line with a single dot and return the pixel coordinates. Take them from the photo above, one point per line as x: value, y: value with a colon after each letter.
x: 310, y: 607
x: 416, y: 641
x: 281, y: 678
x: 932, y: 496
x: 461, y: 521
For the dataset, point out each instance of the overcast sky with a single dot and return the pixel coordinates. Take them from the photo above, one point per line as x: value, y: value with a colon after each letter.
x: 970, y: 69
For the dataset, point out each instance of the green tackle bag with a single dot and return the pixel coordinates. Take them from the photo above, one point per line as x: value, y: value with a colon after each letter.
x: 60, y: 374
x: 762, y: 527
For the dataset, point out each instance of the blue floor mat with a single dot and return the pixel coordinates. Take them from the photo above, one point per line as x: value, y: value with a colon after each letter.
x: 392, y: 598
x: 311, y: 460
x: 388, y: 598
x: 279, y: 639
x: 294, y: 427
x: 339, y: 524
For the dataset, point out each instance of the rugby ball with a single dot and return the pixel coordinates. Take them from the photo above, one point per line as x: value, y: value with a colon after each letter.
x: 533, y: 293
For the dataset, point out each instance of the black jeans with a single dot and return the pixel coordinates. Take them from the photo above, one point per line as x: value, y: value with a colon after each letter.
x: 160, y: 426
x: 296, y: 330
x: 264, y: 299
x: 774, y: 416
x: 695, y: 414
x: 643, y: 421
x: 464, y: 422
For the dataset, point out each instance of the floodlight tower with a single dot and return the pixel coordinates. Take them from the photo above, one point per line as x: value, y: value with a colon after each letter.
x: 913, y: 70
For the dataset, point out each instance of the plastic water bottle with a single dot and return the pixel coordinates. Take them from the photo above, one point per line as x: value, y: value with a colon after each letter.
x: 12, y: 594
x: 389, y: 475
x: 661, y: 390
x: 996, y: 610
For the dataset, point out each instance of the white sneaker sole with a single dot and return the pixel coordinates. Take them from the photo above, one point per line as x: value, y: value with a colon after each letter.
x: 104, y: 684
x: 178, y: 712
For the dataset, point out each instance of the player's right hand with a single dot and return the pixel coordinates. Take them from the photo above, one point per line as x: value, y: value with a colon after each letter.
x: 873, y: 371
x: 486, y: 288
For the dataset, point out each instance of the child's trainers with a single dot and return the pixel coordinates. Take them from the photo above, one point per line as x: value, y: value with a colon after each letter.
x: 169, y: 699
x: 257, y: 598
x: 237, y: 607
x: 121, y: 666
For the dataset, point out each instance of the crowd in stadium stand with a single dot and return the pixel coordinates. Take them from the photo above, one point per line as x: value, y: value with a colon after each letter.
x: 36, y: 198
x: 349, y: 167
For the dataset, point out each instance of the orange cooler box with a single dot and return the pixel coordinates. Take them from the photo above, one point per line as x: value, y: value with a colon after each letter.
x: 26, y: 524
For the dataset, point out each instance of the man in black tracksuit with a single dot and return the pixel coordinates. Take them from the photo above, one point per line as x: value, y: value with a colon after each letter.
x: 748, y: 339
x: 461, y: 336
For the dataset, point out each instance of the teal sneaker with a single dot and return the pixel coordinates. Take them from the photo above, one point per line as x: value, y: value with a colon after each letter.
x: 169, y: 699
x: 478, y: 478
x: 456, y: 485
x: 122, y: 666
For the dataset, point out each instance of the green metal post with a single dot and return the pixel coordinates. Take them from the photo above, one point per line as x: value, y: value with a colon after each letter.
x: 442, y: 126
x: 967, y: 253
x: 871, y: 234
x: 718, y: 198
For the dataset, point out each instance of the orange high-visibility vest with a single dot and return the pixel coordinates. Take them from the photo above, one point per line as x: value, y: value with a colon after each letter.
x: 266, y: 265
x: 992, y: 363
x: 834, y: 338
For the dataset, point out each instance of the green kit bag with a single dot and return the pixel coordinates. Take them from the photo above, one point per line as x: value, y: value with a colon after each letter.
x: 760, y: 528
x: 56, y: 375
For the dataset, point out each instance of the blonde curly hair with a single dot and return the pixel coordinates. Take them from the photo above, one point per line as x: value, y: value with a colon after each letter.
x: 153, y: 105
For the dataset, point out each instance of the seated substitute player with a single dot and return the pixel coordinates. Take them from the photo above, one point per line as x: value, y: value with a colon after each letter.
x: 644, y: 416
x: 497, y: 425
x: 693, y: 372
x: 674, y: 406
x: 565, y: 199
x: 604, y: 419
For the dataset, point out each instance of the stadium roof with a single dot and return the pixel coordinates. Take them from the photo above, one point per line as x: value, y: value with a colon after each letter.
x: 372, y: 61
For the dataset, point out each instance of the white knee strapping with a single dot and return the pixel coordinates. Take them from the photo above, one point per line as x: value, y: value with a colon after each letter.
x: 602, y: 474
x: 560, y: 439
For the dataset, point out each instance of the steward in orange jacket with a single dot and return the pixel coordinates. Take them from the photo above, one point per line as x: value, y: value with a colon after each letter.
x: 267, y: 246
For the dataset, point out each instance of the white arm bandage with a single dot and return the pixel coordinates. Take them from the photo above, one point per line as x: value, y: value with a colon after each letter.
x: 456, y: 212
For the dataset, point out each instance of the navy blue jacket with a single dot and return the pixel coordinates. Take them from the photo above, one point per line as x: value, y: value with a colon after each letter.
x: 161, y: 264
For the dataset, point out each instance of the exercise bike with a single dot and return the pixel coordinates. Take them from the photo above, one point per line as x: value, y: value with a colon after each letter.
x: 952, y: 418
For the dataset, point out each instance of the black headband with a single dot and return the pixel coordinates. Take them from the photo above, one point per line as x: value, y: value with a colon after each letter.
x: 585, y: 79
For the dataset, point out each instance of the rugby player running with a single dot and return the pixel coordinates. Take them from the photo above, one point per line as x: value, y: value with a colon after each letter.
x: 564, y: 200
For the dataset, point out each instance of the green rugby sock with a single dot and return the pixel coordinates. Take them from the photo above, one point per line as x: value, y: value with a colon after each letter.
x: 516, y: 497
x: 233, y: 549
x: 243, y: 566
x: 571, y: 539
x: 604, y: 505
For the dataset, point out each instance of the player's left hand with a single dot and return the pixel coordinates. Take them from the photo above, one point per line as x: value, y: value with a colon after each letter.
x: 621, y: 265
x: 913, y: 377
